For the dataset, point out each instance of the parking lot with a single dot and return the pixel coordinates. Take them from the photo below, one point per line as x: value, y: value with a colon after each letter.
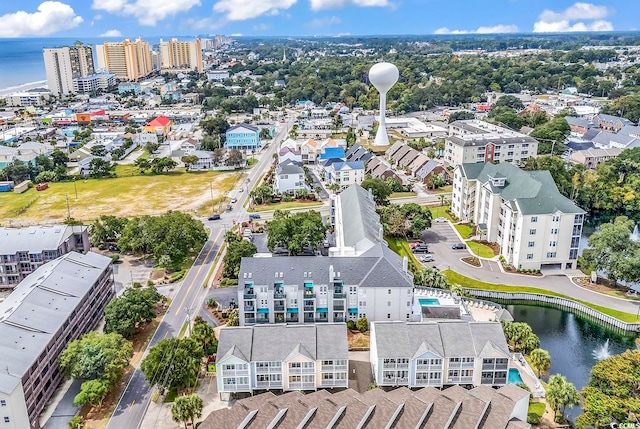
x: 439, y: 238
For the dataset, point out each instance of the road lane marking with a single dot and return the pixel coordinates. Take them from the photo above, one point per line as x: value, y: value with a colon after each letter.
x: 213, y: 245
x: 131, y: 405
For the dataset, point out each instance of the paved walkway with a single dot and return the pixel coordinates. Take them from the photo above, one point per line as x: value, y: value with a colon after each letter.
x: 441, y: 233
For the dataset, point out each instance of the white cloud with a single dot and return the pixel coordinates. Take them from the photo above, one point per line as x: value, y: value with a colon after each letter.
x: 480, y: 30
x: 147, y: 12
x: 336, y: 4
x: 50, y: 17
x: 261, y: 27
x: 559, y: 22
x: 236, y: 35
x: 240, y: 10
x: 323, y: 22
x: 111, y: 33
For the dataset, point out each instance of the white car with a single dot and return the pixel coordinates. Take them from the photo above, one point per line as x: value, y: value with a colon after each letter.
x: 427, y: 258
x: 441, y: 219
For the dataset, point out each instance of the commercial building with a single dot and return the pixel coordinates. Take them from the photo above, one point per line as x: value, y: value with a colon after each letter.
x: 454, y: 407
x: 478, y: 141
x: 65, y: 64
x: 360, y: 277
x: 282, y: 357
x: 94, y: 82
x: 523, y: 211
x: 59, y: 302
x: 243, y: 136
x: 178, y: 55
x: 23, y: 250
x: 437, y: 354
x: 128, y: 60
x: 33, y: 97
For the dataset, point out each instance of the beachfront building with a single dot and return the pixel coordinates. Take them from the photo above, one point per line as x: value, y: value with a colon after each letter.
x: 65, y: 64
x: 535, y: 225
x: 58, y: 303
x: 282, y: 357
x: 128, y: 60
x: 243, y: 137
x: 437, y: 354
x: 95, y: 82
x: 176, y: 55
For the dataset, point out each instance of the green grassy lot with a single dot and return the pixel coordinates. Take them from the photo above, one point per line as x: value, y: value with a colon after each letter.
x: 440, y: 211
x: 401, y: 247
x: 443, y: 190
x: 467, y: 282
x: 480, y: 249
x: 285, y: 206
x: 123, y: 196
x: 536, y: 408
x: 464, y: 230
x: 402, y: 195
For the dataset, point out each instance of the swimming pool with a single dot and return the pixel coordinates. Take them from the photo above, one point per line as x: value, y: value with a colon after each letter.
x: 428, y: 301
x: 514, y: 376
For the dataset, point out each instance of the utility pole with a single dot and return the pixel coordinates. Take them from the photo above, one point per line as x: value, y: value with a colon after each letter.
x: 553, y: 144
x: 188, y: 311
x: 75, y: 187
x: 213, y: 207
x: 68, y: 209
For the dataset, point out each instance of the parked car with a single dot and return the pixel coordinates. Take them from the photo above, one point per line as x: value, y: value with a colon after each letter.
x: 414, y: 244
x: 214, y: 217
x: 427, y: 258
x: 420, y: 248
x: 229, y: 208
x: 441, y: 219
x: 254, y: 216
x: 114, y: 248
x: 458, y: 246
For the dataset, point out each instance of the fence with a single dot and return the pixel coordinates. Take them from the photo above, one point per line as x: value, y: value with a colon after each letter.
x: 560, y: 303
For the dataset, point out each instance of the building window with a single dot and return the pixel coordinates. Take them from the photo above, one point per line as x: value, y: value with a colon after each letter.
x: 556, y: 218
x: 531, y: 244
x: 7, y: 420
x: 389, y: 292
x: 388, y: 303
x: 552, y: 244
x: 554, y: 230
x: 534, y: 218
x: 532, y: 231
x: 3, y: 403
x: 551, y: 254
x: 529, y: 255
x: 388, y: 316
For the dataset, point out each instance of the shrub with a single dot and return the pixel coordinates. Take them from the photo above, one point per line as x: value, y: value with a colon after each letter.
x: 362, y: 324
x: 351, y: 325
x: 150, y: 283
x: 115, y: 257
x: 533, y: 418
x: 211, y: 302
x: 136, y: 285
x: 228, y: 282
x: 177, y: 276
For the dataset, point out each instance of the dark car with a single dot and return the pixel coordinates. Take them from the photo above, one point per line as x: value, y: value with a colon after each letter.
x: 214, y: 217
x: 458, y: 246
x: 254, y: 216
x: 229, y: 208
x: 420, y: 248
x: 114, y: 248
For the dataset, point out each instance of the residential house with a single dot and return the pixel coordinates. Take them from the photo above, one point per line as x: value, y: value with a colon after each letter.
x: 346, y: 173
x: 309, y: 151
x: 591, y: 158
x: 217, y: 75
x: 60, y: 302
x: 610, y: 140
x: 437, y: 354
x: 159, y: 126
x: 279, y: 83
x: 358, y: 153
x: 243, y: 137
x: 378, y: 167
x: 23, y: 250
x: 282, y: 357
x: 361, y: 277
x: 472, y: 141
x: 288, y: 154
x: 610, y: 122
x: 84, y: 164
x: 630, y: 130
x: 579, y: 126
x: 289, y: 177
x: 454, y: 407
x: 189, y: 146
x: 129, y: 87
x: 523, y: 211
x: 291, y: 144
x: 431, y: 168
x: 417, y: 163
x: 205, y: 160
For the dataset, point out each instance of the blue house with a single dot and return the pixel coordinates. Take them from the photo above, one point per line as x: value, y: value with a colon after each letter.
x: 129, y: 87
x: 243, y: 136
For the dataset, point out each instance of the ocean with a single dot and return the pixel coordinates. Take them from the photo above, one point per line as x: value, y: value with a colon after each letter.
x: 21, y: 60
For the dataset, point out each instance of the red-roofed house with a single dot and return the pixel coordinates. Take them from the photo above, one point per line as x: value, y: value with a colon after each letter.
x: 160, y: 125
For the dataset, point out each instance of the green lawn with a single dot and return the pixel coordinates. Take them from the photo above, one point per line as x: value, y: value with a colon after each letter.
x: 468, y: 282
x: 465, y: 231
x: 402, y: 195
x: 536, y: 408
x: 122, y: 196
x: 480, y: 249
x: 402, y: 248
x: 440, y: 211
x: 285, y: 206
x: 443, y: 190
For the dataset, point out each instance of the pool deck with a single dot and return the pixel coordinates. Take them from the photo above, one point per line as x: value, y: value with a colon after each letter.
x: 530, y: 380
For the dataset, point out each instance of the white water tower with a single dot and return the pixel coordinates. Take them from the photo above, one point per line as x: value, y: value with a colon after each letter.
x: 383, y: 76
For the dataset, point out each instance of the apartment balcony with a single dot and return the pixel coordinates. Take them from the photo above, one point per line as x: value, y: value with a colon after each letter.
x: 456, y: 365
x: 428, y: 382
x: 491, y: 367
x: 279, y: 295
x: 268, y: 384
x: 321, y: 320
x: 249, y: 294
x: 234, y: 373
x: 296, y: 371
x: 395, y: 381
x: 249, y: 320
x: 248, y: 307
x: 334, y: 383
x: 308, y: 295
x: 338, y: 319
x: 236, y: 388
x: 309, y: 308
x: 308, y: 319
x: 301, y: 386
x: 394, y: 366
x: 339, y: 295
x: 292, y: 320
x: 333, y: 368
x: 491, y: 381
x: 269, y: 370
x: 423, y: 368
x: 262, y: 321
x: 338, y: 307
x: 460, y: 380
x: 278, y: 307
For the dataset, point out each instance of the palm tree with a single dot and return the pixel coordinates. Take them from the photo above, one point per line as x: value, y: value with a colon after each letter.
x: 187, y: 409
x: 430, y: 278
x: 334, y: 187
x: 561, y: 393
x: 540, y: 360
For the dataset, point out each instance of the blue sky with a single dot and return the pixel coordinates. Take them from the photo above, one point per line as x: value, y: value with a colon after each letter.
x: 130, y: 18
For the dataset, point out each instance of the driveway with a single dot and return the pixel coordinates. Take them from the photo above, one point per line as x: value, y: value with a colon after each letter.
x: 440, y: 237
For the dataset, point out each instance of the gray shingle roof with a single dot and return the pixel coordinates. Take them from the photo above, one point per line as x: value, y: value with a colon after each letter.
x: 243, y: 125
x: 534, y: 192
x: 282, y: 342
x: 289, y: 167
x: 35, y: 239
x: 426, y: 169
x: 359, y: 218
x: 36, y: 309
x: 444, y: 338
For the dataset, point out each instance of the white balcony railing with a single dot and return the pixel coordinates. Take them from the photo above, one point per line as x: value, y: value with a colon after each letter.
x: 301, y: 385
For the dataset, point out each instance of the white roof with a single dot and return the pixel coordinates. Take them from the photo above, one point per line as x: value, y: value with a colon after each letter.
x: 35, y: 239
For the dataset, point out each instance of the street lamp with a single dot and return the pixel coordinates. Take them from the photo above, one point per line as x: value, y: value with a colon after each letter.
x: 75, y: 187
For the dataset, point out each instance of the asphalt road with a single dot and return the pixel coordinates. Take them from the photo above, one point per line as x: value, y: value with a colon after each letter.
x: 190, y: 296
